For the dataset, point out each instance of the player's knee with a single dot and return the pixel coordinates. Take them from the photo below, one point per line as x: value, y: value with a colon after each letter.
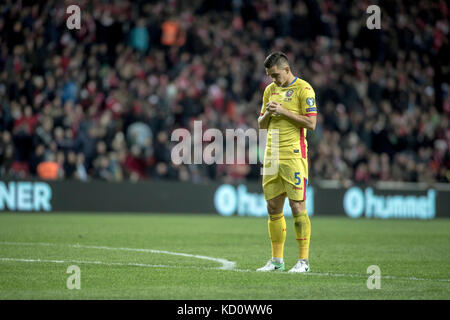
x: 275, y: 206
x: 271, y: 207
x: 297, y: 206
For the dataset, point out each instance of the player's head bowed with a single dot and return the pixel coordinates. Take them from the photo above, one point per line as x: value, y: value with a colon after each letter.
x: 277, y: 67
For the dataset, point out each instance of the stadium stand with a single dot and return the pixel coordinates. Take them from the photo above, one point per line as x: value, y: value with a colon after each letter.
x: 101, y: 102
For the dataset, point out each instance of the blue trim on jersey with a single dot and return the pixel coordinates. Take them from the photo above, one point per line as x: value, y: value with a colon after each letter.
x: 291, y: 82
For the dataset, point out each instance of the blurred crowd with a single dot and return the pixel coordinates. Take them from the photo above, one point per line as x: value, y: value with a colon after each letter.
x: 101, y: 102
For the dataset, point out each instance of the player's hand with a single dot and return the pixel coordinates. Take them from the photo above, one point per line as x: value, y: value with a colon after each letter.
x: 274, y: 108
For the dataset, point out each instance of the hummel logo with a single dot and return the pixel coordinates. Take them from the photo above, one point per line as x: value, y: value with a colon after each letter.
x: 297, y: 188
x: 275, y: 94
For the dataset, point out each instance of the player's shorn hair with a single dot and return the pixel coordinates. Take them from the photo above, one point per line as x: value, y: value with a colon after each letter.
x: 276, y: 58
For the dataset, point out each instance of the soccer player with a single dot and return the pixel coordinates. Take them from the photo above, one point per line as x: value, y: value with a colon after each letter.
x: 288, y: 111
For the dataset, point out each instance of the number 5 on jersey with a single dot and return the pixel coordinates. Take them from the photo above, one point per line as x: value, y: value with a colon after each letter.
x: 298, y: 180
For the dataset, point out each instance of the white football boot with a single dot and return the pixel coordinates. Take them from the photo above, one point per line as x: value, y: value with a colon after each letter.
x: 271, y: 265
x: 300, y: 266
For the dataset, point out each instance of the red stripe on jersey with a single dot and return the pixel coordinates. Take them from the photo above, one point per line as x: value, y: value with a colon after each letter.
x: 311, y: 114
x: 304, y: 190
x: 302, y: 143
x: 261, y: 114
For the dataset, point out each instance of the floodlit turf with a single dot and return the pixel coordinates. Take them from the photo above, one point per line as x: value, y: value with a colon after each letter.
x: 413, y: 257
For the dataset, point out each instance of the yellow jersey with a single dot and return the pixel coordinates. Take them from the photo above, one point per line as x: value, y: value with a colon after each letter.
x: 299, y: 98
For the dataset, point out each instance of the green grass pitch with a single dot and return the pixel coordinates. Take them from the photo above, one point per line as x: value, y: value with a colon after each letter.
x: 36, y: 250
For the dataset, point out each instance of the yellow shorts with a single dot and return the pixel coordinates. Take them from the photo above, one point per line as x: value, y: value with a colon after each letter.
x: 290, y: 178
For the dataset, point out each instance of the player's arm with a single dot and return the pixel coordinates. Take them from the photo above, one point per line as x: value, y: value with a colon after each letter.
x: 307, y: 121
x: 264, y: 117
x: 307, y: 115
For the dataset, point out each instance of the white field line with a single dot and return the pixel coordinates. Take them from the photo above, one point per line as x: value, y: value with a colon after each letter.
x: 366, y: 276
x: 226, y: 264
x: 87, y: 262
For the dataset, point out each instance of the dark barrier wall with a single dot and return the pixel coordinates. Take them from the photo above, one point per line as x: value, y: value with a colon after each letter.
x: 215, y: 198
x: 101, y: 196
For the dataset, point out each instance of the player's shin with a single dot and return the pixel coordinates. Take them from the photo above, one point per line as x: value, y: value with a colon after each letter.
x: 303, y: 233
x: 277, y: 234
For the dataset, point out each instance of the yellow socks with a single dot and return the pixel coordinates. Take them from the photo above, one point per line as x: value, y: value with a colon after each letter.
x: 277, y: 234
x: 302, y: 233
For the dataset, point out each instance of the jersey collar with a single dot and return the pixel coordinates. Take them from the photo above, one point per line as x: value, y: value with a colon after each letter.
x: 291, y: 83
